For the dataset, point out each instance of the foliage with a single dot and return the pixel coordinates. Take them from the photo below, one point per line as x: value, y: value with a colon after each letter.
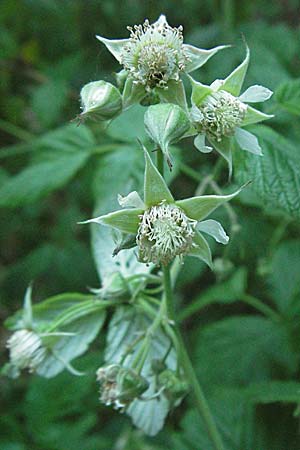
x: 241, y: 321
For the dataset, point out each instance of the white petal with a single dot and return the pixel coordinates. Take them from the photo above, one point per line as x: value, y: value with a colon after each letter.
x: 255, y: 94
x: 132, y: 200
x: 247, y: 141
x: 199, y: 143
x: 214, y: 229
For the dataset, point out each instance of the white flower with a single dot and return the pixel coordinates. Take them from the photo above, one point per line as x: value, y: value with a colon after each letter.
x: 26, y: 350
x: 164, y: 233
x: 219, y: 115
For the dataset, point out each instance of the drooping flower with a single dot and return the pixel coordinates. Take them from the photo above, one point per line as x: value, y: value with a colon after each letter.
x: 119, y: 385
x: 154, y: 55
x: 219, y: 113
x: 26, y: 350
x: 164, y: 228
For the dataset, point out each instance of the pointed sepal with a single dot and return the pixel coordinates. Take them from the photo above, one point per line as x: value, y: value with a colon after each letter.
x: 175, y: 93
x: 254, y: 116
x: 132, y: 200
x: 197, y: 57
x: 126, y: 220
x: 27, y: 309
x: 199, y: 91
x: 233, y: 83
x: 155, y: 187
x: 115, y: 46
x: 198, y: 208
x: 224, y: 148
x: 132, y: 93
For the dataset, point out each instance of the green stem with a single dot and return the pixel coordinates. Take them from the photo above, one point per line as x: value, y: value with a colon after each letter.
x: 198, y: 395
x: 160, y: 161
x: 15, y: 131
x: 262, y: 307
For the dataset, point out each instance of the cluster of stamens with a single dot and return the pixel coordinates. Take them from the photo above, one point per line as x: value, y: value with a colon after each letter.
x: 26, y: 350
x: 109, y: 390
x: 219, y: 115
x: 164, y: 233
x: 154, y: 54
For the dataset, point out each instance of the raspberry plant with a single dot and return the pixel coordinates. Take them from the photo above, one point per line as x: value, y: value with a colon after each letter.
x: 142, y: 245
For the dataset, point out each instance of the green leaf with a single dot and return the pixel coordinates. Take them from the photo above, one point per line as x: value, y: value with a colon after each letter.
x: 284, y: 277
x: 229, y: 291
x: 288, y: 96
x: 261, y: 347
x: 273, y: 391
x: 48, y: 101
x: 233, y: 83
x: 201, y: 249
x: 125, y: 220
x: 129, y: 126
x: 61, y: 154
x: 275, y: 176
x: 124, y: 328
x: 198, y: 56
x: 155, y: 188
x: 198, y: 208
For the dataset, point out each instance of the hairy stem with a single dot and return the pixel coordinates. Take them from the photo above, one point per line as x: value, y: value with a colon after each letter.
x: 198, y: 395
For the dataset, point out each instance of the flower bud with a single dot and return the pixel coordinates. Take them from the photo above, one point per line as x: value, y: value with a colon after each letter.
x: 219, y: 115
x: 119, y: 385
x: 164, y: 233
x: 166, y: 123
x: 174, y: 387
x: 26, y: 350
x: 100, y: 101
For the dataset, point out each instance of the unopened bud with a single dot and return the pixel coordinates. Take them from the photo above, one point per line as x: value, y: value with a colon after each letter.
x: 100, y: 101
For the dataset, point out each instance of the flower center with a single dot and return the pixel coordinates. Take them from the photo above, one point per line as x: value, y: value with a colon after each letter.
x: 154, y: 54
x: 220, y: 114
x: 164, y: 232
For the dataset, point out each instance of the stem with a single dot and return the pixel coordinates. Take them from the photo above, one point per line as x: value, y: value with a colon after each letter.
x: 15, y: 131
x: 262, y: 307
x: 167, y: 307
x: 160, y: 161
x: 199, y: 398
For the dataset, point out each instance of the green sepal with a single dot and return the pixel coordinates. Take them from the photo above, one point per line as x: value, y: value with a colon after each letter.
x: 127, y: 241
x: 197, y: 57
x: 198, y: 208
x: 115, y: 46
x: 125, y: 220
x: 27, y: 309
x: 174, y: 94
x: 165, y: 124
x: 155, y: 187
x: 133, y: 93
x: 199, y: 91
x: 224, y: 148
x: 233, y: 83
x: 254, y: 116
x: 201, y: 249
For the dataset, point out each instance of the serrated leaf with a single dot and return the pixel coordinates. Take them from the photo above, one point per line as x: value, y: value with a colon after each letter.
x: 62, y: 153
x: 288, y: 96
x: 275, y: 176
x: 260, y: 346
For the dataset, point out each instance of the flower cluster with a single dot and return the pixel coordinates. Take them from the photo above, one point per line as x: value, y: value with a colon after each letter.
x: 119, y: 385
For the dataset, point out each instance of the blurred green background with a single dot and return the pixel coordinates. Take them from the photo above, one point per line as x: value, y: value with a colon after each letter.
x: 48, y: 51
